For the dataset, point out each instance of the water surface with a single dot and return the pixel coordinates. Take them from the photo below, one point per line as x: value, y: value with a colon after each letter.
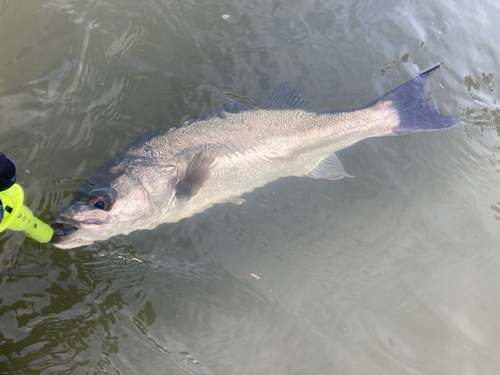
x: 394, y: 272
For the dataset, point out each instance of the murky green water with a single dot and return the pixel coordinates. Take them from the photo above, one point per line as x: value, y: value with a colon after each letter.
x: 394, y: 272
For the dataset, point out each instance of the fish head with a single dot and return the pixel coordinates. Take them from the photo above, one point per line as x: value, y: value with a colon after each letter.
x: 121, y: 196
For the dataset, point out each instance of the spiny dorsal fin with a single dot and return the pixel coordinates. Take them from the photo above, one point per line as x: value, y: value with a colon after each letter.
x: 287, y: 96
x: 197, y: 173
x: 330, y: 168
x: 234, y: 107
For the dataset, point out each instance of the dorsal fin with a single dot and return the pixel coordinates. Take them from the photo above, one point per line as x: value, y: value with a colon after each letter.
x: 234, y: 107
x: 287, y: 96
x: 219, y: 112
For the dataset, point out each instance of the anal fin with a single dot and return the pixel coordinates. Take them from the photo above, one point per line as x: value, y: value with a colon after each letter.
x: 330, y: 168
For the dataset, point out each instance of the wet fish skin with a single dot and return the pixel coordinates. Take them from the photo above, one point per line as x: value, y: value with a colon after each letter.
x: 172, y: 174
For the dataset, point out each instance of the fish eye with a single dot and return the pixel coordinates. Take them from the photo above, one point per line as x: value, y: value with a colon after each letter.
x: 101, y: 198
x: 100, y: 202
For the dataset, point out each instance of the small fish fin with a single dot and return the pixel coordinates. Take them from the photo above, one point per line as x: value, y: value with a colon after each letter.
x: 415, y: 112
x: 330, y: 168
x: 287, y: 96
x: 197, y: 173
x: 234, y: 200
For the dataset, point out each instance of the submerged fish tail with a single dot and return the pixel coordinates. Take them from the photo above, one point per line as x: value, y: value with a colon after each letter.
x: 414, y: 111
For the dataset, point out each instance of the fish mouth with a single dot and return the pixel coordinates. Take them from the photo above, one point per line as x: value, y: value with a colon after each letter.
x: 69, y: 233
x: 62, y: 232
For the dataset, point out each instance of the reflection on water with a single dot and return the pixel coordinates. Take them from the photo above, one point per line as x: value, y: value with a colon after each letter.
x: 395, y: 271
x: 484, y: 120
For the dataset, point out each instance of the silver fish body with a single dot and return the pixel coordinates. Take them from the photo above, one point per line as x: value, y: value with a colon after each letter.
x: 175, y: 173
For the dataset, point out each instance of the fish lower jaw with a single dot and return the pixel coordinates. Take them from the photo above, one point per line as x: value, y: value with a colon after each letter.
x: 67, y: 236
x: 70, y: 242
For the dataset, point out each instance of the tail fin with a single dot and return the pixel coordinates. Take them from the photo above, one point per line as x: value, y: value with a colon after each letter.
x: 415, y: 112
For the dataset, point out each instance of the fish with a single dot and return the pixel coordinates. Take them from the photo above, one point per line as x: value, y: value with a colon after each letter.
x: 174, y: 173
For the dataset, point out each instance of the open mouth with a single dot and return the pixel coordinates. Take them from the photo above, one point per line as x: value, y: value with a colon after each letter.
x: 61, y: 230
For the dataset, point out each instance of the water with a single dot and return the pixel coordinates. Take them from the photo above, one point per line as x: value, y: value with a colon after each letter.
x: 394, y: 272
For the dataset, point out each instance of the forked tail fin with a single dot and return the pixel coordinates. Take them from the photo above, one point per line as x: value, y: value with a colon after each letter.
x: 415, y: 112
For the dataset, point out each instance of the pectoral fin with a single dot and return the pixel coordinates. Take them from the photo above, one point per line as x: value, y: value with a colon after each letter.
x: 197, y: 173
x: 330, y: 168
